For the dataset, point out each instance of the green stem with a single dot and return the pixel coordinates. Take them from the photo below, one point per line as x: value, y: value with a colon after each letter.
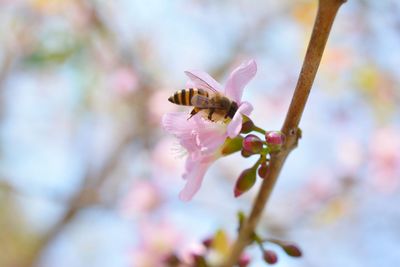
x: 258, y: 129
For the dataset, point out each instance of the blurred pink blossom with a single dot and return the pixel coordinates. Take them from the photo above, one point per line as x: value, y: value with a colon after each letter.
x: 201, y: 138
x: 156, y: 241
x: 350, y: 155
x: 194, y: 248
x: 143, y: 197
x: 384, y: 159
x: 161, y: 157
x: 321, y: 186
x: 124, y: 80
x: 157, y: 99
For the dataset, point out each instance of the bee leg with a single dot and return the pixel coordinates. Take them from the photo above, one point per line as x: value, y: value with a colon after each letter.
x: 193, y: 112
x: 212, y: 110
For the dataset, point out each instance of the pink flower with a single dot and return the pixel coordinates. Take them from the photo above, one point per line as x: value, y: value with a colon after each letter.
x: 235, y: 84
x: 124, y: 81
x: 201, y: 138
x: 156, y: 240
x: 384, y: 159
x: 143, y: 197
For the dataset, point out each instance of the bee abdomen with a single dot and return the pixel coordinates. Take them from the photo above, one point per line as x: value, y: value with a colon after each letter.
x: 184, y: 96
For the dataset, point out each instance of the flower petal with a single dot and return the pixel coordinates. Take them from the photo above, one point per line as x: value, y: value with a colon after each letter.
x: 203, y: 80
x: 245, y: 108
x: 239, y: 78
x: 194, y: 177
x: 235, y: 125
x: 210, y: 136
x: 177, y: 123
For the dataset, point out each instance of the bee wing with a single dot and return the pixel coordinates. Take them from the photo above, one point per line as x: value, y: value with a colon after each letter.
x: 201, y: 101
x: 202, y: 83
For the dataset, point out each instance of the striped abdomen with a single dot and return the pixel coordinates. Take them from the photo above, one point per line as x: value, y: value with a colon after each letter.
x: 183, y: 97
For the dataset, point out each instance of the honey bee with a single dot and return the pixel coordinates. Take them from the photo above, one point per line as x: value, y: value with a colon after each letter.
x: 214, y: 104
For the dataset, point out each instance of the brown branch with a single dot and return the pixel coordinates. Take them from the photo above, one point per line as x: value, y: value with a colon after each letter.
x: 327, y: 10
x: 4, y: 72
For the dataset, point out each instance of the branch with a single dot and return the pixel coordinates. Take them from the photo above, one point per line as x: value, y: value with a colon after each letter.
x: 327, y: 10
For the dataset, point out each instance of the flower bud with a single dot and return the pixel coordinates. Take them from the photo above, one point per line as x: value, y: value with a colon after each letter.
x: 245, y: 153
x: 208, y: 242
x: 199, y: 260
x: 252, y: 143
x: 292, y: 250
x: 247, y: 126
x: 172, y: 260
x: 270, y: 256
x: 244, y: 260
x: 245, y: 181
x: 274, y: 139
x: 263, y: 170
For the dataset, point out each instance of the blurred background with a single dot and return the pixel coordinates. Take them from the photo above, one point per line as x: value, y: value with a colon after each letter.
x: 89, y: 178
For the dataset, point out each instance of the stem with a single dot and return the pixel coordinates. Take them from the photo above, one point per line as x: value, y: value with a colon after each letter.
x: 258, y: 129
x: 327, y: 10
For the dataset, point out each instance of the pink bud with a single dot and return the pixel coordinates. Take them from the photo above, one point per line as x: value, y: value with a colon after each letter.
x: 274, y: 139
x: 292, y: 250
x: 252, y: 143
x: 245, y: 181
x: 263, y: 170
x: 244, y: 260
x: 207, y: 242
x: 270, y: 256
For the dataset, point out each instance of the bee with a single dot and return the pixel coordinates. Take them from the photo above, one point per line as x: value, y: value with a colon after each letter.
x: 214, y: 104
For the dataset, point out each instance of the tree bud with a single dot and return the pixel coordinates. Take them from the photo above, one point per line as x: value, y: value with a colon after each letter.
x: 292, y: 250
x: 247, y: 126
x: 244, y: 260
x: 208, y: 242
x: 275, y: 140
x: 252, y: 143
x: 263, y: 170
x: 245, y: 153
x: 245, y: 181
x: 270, y: 257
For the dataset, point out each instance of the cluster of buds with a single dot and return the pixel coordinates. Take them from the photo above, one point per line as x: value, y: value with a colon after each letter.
x: 214, y: 250
x: 254, y: 145
x: 268, y: 255
x: 271, y: 257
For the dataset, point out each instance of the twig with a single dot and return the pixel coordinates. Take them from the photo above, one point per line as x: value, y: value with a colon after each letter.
x: 327, y: 10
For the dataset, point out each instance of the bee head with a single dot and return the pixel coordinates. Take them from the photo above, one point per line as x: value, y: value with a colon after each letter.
x: 225, y: 102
